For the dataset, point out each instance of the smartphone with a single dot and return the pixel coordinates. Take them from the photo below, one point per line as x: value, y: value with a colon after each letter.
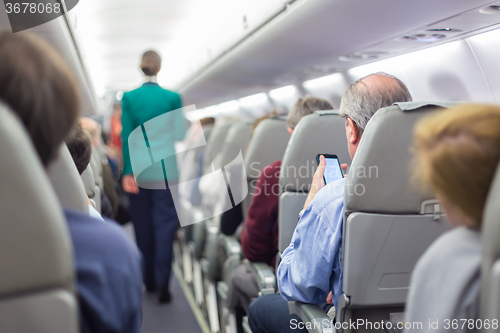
x: 333, y: 170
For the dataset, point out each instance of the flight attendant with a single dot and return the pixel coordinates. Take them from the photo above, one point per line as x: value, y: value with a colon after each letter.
x: 152, y: 209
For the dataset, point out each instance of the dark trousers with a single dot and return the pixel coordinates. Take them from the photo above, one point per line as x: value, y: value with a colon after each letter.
x: 270, y: 314
x: 155, y: 223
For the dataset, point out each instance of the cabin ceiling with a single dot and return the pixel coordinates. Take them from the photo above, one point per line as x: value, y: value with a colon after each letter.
x: 307, y: 40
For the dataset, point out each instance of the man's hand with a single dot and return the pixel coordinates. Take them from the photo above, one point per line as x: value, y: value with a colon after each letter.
x: 129, y: 184
x: 344, y: 166
x: 318, y: 182
x: 329, y: 298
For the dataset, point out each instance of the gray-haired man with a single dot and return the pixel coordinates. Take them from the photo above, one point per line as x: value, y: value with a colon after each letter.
x: 311, y: 270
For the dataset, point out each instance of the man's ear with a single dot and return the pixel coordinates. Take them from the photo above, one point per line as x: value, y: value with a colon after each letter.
x: 354, y: 133
x: 289, y: 130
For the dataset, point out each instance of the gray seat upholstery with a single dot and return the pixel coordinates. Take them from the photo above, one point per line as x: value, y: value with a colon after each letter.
x: 96, y: 166
x: 388, y: 221
x: 490, y: 272
x: 89, y: 182
x: 67, y: 182
x: 37, y: 292
x: 267, y: 145
x: 322, y: 132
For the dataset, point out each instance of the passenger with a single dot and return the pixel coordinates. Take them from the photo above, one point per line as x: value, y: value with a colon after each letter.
x: 456, y: 152
x: 80, y: 147
x: 259, y: 239
x: 40, y: 89
x: 152, y: 210
x: 108, y: 195
x: 311, y: 268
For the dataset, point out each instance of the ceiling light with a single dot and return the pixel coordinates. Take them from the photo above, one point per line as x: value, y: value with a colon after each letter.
x: 323, y: 81
x: 228, y: 106
x: 253, y: 100
x: 283, y: 92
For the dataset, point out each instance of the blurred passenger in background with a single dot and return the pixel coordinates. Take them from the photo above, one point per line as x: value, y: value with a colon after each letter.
x: 101, y: 170
x: 152, y: 210
x: 40, y: 88
x: 457, y: 152
x: 80, y: 147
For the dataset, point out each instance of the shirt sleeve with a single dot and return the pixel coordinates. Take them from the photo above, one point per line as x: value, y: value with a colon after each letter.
x: 257, y: 240
x: 310, y: 266
x: 127, y: 128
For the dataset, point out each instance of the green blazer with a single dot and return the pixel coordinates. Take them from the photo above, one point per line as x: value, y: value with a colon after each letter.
x: 138, y: 107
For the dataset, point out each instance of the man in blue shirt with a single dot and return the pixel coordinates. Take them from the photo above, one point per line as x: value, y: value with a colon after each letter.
x: 311, y: 268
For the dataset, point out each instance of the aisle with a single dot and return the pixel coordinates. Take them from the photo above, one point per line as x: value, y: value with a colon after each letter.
x: 175, y: 317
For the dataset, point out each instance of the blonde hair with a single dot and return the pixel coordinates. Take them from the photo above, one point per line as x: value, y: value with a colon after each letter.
x: 456, y: 154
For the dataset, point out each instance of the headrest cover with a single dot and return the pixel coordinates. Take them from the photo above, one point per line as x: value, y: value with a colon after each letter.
x: 238, y: 137
x: 35, y: 248
x: 491, y: 246
x: 267, y: 145
x: 67, y: 182
x: 322, y: 132
x: 215, y: 142
x: 88, y: 181
x: 379, y: 179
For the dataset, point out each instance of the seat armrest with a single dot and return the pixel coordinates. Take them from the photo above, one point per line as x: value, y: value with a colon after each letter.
x: 230, y: 245
x: 314, y: 318
x: 263, y: 275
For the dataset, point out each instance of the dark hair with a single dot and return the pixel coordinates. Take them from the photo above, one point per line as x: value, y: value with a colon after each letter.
x: 37, y: 84
x: 80, y: 147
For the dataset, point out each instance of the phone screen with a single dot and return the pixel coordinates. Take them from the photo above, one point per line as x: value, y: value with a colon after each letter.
x: 333, y: 171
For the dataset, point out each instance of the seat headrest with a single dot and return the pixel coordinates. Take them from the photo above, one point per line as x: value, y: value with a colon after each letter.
x: 35, y: 248
x: 88, y: 181
x: 322, y: 132
x: 379, y: 180
x: 236, y: 140
x: 215, y: 142
x: 67, y: 183
x: 491, y: 246
x: 268, y: 144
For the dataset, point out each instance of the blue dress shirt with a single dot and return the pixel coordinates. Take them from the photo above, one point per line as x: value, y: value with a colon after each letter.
x: 311, y: 265
x: 108, y: 275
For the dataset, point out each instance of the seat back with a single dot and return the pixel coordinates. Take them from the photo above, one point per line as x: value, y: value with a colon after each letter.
x: 37, y: 292
x: 322, y: 132
x: 490, y: 272
x: 388, y: 222
x: 88, y: 182
x: 67, y: 183
x: 268, y: 144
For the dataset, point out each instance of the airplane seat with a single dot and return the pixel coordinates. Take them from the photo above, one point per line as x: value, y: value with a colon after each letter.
x: 490, y: 270
x: 388, y: 221
x: 89, y: 183
x: 67, y: 183
x: 322, y: 132
x: 267, y: 145
x: 96, y: 166
x: 231, y: 161
x: 37, y: 283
